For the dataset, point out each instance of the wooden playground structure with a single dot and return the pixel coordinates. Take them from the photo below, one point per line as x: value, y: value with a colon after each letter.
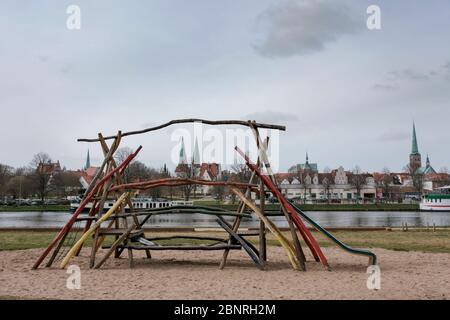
x: 126, y: 227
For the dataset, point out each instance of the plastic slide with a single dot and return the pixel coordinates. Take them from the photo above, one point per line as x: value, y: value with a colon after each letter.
x: 371, y: 255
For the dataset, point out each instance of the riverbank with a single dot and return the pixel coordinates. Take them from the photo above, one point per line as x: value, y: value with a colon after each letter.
x: 45, y: 208
x: 325, y: 206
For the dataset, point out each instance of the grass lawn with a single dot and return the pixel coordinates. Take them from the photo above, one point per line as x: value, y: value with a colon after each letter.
x: 52, y: 208
x: 425, y: 241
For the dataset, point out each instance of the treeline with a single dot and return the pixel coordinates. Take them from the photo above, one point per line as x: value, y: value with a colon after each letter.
x: 43, y: 179
x: 33, y: 181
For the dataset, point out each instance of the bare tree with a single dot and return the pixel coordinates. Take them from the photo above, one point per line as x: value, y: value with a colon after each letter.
x: 327, y: 183
x: 386, y: 183
x: 65, y: 183
x: 120, y: 156
x: 6, y: 173
x: 41, y: 174
x: 444, y: 170
x: 357, y: 180
x: 241, y: 172
x: 416, y: 176
x: 188, y: 172
x: 219, y: 192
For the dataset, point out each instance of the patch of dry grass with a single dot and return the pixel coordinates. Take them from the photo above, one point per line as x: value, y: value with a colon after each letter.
x: 414, y: 240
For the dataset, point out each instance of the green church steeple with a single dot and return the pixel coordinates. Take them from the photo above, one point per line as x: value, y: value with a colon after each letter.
x: 414, y: 147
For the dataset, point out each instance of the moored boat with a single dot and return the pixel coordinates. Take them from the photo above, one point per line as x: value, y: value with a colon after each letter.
x: 437, y: 201
x: 138, y: 203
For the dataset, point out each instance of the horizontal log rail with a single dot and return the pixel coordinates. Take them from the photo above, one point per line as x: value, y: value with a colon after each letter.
x: 181, y: 247
x: 172, y: 210
x: 176, y: 182
x: 192, y: 120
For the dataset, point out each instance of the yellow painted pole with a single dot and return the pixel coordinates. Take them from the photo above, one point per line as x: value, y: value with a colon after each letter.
x: 88, y: 233
x: 288, y: 247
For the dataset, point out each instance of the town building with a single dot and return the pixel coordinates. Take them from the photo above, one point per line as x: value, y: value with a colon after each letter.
x: 337, y: 186
x: 310, y: 167
x: 416, y: 180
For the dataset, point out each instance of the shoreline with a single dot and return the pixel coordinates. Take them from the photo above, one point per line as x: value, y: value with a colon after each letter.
x: 269, y: 207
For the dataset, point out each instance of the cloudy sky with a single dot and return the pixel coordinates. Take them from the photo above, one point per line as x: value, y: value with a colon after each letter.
x: 348, y: 95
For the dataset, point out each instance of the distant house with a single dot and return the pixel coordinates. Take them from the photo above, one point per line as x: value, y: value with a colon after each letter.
x: 336, y: 186
x: 87, y: 176
x: 87, y: 173
x: 49, y: 167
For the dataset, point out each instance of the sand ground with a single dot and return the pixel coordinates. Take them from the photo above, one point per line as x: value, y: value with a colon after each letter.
x: 191, y: 275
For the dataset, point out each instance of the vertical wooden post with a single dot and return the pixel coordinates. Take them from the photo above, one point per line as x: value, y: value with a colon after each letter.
x: 262, y: 225
x: 263, y: 158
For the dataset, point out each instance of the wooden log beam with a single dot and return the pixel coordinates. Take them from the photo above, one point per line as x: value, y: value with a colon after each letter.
x: 192, y: 120
x: 248, y: 247
x: 179, y: 182
x: 116, y: 243
x: 182, y: 247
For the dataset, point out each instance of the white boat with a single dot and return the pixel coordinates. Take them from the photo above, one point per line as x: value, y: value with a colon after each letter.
x: 438, y: 201
x: 138, y: 203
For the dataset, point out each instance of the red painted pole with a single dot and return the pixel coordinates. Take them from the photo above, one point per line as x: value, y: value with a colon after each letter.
x: 83, y: 204
x: 307, y: 236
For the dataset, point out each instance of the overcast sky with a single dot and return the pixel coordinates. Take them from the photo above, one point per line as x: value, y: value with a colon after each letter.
x: 347, y: 95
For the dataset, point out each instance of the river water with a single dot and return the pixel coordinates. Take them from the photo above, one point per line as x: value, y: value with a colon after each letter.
x: 328, y: 219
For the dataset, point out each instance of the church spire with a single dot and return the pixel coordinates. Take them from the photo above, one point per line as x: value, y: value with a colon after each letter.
x: 183, y: 158
x: 196, y: 156
x: 414, y: 147
x: 88, y: 161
